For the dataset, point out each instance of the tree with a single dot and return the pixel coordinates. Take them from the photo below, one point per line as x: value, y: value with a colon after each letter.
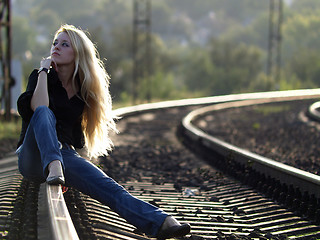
x: 24, y: 37
x: 301, y: 32
x: 222, y: 68
x: 304, y: 67
x: 238, y: 65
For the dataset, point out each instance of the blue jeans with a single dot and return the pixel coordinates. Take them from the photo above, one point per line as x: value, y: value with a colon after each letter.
x: 41, y: 146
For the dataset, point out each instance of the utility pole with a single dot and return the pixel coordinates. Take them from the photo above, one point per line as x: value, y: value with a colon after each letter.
x: 141, y: 47
x: 275, y: 39
x: 5, y: 57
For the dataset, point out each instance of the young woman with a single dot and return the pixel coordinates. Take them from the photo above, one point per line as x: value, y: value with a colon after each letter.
x: 67, y: 105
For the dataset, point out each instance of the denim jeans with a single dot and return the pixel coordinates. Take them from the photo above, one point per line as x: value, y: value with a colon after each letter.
x: 41, y: 146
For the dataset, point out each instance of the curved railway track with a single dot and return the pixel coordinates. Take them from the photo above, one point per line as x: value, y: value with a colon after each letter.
x: 156, y: 167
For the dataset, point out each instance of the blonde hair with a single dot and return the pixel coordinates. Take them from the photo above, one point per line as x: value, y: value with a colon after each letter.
x: 97, y: 118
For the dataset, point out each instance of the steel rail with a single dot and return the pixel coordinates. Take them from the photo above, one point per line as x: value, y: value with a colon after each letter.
x: 61, y: 225
x: 313, y: 111
x: 125, y: 111
x: 286, y: 174
x: 53, y: 216
x: 52, y: 207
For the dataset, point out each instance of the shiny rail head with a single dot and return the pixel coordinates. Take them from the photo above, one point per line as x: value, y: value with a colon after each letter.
x: 52, y: 205
x: 131, y: 110
x: 313, y: 111
x: 286, y: 174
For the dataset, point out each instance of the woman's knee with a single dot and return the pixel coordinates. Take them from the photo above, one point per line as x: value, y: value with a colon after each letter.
x: 42, y: 109
x: 43, y: 112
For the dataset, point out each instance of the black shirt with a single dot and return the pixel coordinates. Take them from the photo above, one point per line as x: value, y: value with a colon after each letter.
x: 68, y: 112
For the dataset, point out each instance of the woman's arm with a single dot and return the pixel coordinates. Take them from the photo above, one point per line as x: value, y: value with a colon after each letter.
x: 40, y: 96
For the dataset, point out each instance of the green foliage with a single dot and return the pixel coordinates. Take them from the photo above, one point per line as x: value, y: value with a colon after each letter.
x: 10, y: 129
x: 224, y: 68
x: 256, y: 126
x: 305, y: 6
x: 199, y: 71
x: 301, y: 33
x: 255, y: 34
x: 268, y: 109
x: 199, y: 48
x: 304, y: 69
x: 263, y: 83
x: 24, y: 37
x: 159, y: 86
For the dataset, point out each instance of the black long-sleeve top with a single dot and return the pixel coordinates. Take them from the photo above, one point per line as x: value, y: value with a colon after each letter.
x: 68, y: 112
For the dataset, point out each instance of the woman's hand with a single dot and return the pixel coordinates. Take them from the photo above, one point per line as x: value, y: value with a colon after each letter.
x: 48, y: 62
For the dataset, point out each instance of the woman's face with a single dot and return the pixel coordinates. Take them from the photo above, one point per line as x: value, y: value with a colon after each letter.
x: 61, y: 51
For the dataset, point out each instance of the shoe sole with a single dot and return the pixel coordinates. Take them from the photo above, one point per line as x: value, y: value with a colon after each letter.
x: 175, y: 231
x: 55, y: 181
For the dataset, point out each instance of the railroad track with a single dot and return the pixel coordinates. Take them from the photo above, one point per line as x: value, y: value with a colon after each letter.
x: 217, y: 206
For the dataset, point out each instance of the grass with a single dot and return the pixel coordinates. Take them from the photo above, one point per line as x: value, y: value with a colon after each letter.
x: 10, y: 129
x: 269, y: 109
x: 266, y: 110
x: 256, y: 126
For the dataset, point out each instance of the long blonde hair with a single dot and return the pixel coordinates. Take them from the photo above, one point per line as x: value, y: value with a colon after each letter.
x: 97, y: 118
